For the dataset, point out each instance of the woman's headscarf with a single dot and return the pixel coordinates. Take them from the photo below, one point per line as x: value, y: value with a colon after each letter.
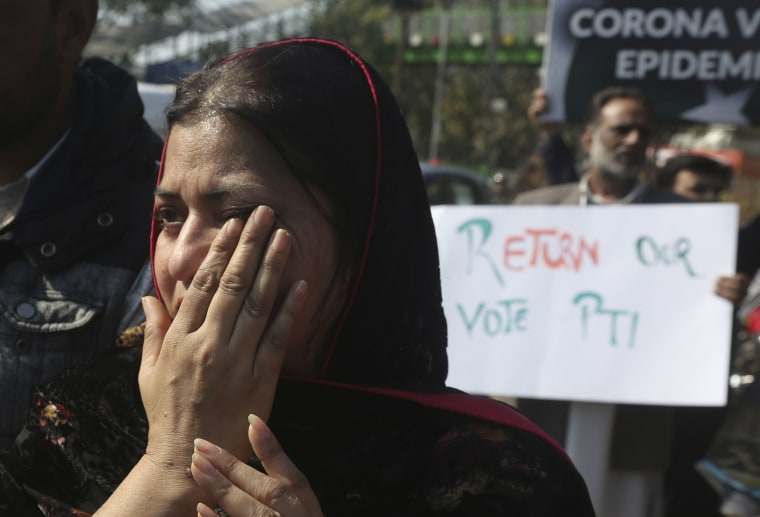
x: 392, y: 331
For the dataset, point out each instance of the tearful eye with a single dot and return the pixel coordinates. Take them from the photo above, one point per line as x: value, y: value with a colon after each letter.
x: 243, y: 215
x: 168, y: 219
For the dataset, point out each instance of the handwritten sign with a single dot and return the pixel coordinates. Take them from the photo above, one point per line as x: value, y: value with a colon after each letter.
x: 608, y: 304
x: 699, y: 60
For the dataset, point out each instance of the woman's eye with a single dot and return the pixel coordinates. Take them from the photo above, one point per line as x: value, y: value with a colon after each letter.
x: 243, y: 215
x: 168, y: 219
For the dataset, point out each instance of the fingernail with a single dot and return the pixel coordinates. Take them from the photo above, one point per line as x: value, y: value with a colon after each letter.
x: 204, y: 465
x: 205, y: 511
x: 233, y: 227
x: 262, y: 429
x: 205, y: 447
x: 281, y: 240
x: 263, y: 215
x: 146, y: 307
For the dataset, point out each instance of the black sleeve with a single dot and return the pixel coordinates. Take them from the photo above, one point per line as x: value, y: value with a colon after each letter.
x: 558, y: 159
x: 748, y: 249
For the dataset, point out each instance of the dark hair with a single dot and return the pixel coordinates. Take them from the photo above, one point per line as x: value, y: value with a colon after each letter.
x: 602, y: 97
x: 665, y: 176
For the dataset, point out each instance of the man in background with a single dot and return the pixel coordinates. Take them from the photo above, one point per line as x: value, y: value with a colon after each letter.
x: 694, y: 176
x: 704, y: 180
x: 615, y: 143
x: 77, y: 172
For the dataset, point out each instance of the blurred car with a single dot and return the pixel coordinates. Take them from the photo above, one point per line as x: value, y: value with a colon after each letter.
x: 450, y: 185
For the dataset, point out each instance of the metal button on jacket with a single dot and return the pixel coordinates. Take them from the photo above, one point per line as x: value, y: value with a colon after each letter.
x: 48, y: 249
x: 25, y: 310
x: 105, y: 220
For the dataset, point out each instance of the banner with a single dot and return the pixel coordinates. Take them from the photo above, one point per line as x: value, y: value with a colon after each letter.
x: 606, y: 304
x: 698, y: 60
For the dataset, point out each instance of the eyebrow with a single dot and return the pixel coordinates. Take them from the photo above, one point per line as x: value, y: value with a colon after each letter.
x: 165, y: 194
x: 212, y: 194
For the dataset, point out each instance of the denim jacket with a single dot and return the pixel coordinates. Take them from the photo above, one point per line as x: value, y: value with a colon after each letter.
x: 74, y: 262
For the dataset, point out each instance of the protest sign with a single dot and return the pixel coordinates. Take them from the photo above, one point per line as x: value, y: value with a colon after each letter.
x: 604, y: 304
x: 698, y: 60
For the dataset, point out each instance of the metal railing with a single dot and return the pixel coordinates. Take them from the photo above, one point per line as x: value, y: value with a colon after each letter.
x: 511, y: 35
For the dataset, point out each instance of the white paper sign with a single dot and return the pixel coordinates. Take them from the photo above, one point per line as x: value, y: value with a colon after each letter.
x: 606, y: 304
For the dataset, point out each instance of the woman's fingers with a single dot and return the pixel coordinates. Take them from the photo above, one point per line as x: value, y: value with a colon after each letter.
x: 259, y: 299
x: 243, y: 267
x: 214, y: 471
x: 193, y: 312
x: 275, y: 342
x: 278, y: 464
x: 241, y: 490
x: 271, y: 349
x: 205, y: 511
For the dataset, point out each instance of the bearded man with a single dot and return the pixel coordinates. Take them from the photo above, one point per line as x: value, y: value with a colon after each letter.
x: 615, y: 142
x: 641, y: 452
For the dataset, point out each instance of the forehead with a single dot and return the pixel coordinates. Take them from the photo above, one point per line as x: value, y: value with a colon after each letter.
x: 222, y: 151
x: 621, y: 110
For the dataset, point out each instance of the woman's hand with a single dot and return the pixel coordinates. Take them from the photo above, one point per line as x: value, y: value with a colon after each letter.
x: 220, y: 358
x: 241, y: 490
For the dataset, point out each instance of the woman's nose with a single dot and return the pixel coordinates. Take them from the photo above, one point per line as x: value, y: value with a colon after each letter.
x: 190, y: 248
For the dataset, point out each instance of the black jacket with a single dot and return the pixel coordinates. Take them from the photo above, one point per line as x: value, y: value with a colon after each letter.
x: 79, y: 241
